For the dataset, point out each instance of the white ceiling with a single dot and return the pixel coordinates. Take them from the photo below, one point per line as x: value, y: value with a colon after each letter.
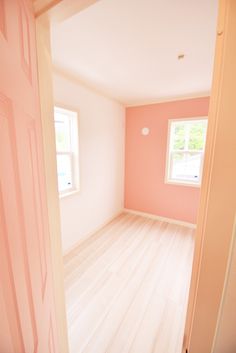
x: 127, y: 49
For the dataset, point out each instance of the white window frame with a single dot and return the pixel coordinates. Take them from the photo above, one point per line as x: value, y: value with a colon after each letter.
x: 168, y: 179
x: 73, y: 152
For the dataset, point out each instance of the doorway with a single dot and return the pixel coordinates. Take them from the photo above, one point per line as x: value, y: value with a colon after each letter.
x: 143, y: 126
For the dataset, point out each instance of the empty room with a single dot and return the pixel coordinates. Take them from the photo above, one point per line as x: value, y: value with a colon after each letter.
x: 131, y: 84
x: 117, y: 176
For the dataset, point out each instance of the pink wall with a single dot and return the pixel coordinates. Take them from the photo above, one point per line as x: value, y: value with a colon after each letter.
x: 145, y: 158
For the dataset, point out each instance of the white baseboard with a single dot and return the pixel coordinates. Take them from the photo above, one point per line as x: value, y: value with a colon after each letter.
x: 159, y: 218
x: 69, y: 252
x: 97, y: 229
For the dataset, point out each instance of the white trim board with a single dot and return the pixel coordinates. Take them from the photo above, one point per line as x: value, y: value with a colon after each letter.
x: 160, y: 100
x: 160, y: 218
x: 69, y: 251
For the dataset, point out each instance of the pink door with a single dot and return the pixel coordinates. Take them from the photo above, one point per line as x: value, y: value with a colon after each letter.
x: 27, y: 323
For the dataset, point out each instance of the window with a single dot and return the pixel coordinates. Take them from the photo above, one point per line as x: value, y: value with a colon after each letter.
x: 186, y: 151
x: 66, y: 130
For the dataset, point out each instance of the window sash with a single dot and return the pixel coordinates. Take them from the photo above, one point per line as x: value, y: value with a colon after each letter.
x: 186, y: 153
x: 185, y: 178
x: 188, y: 124
x: 72, y: 169
x: 67, y: 144
x: 65, y: 121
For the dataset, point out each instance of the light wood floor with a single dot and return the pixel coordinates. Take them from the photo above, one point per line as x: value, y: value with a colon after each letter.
x: 127, y: 286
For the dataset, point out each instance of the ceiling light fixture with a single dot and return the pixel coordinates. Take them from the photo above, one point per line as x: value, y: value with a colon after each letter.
x: 145, y: 131
x: 181, y: 56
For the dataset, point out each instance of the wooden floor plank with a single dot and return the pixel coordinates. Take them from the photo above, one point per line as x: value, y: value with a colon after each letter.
x: 91, y: 248
x: 127, y: 287
x: 85, y: 275
x: 95, y: 277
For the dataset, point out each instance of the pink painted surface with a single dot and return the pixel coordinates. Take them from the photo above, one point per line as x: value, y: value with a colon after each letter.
x: 26, y: 297
x: 145, y: 160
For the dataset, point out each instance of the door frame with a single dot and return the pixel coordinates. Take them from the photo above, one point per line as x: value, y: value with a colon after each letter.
x: 49, y: 150
x: 218, y: 194
x: 45, y: 12
x: 216, y: 182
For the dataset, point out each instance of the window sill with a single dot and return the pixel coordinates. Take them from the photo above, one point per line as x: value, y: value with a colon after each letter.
x: 182, y: 183
x: 69, y: 193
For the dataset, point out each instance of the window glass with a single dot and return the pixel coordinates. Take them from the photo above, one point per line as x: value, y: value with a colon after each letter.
x: 66, y: 132
x: 197, y: 135
x: 62, y: 127
x: 179, y: 137
x: 186, y: 148
x: 186, y: 166
x: 64, y: 172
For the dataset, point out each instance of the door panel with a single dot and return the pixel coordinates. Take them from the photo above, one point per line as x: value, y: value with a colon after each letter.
x: 2, y: 19
x: 13, y: 228
x: 26, y: 299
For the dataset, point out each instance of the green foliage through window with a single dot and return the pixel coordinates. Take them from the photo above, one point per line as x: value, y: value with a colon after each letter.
x: 186, y: 151
x: 197, y: 136
x: 189, y: 135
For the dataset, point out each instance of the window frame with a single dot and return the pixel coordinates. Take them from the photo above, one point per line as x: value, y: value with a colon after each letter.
x: 168, y: 179
x: 73, y: 152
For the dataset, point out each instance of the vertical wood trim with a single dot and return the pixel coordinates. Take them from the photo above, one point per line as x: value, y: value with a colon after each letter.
x: 51, y: 343
x: 25, y: 44
x: 49, y: 150
x: 228, y: 281
x: 218, y: 193
x: 38, y: 204
x: 3, y: 19
x: 206, y: 180
x: 12, y: 135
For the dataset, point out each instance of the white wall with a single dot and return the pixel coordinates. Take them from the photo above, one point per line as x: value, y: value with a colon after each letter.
x: 101, y: 145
